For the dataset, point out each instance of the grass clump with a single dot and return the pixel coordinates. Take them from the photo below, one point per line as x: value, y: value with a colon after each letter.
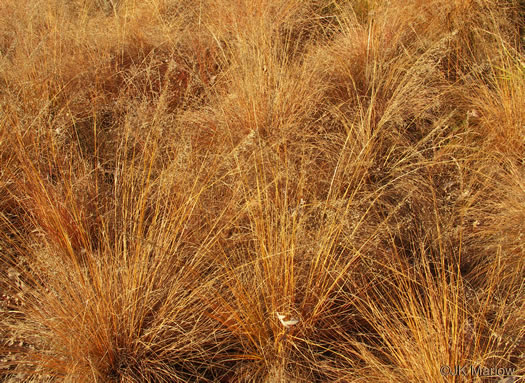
x: 261, y: 191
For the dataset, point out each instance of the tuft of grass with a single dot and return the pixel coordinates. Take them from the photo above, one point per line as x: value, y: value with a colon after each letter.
x: 261, y: 191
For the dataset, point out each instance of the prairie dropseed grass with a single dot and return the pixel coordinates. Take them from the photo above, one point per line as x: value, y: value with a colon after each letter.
x: 261, y: 191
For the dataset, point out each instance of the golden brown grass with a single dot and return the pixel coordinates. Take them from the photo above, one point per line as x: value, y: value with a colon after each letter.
x: 261, y: 191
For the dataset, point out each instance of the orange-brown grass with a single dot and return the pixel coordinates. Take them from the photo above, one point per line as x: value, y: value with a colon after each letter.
x: 261, y: 191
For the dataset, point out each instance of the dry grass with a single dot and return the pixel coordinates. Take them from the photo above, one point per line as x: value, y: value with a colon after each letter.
x: 261, y: 191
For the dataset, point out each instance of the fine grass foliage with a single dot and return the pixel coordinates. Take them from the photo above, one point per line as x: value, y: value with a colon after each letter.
x: 261, y: 191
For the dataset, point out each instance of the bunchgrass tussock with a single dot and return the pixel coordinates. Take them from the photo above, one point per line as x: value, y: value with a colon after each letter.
x: 262, y: 191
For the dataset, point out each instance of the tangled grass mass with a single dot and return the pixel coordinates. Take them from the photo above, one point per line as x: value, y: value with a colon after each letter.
x: 262, y: 190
